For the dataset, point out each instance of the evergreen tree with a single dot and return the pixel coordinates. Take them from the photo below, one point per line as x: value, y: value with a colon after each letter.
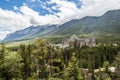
x: 40, y: 59
x: 73, y: 72
x: 99, y: 75
x: 106, y: 64
x: 3, y: 70
x: 2, y: 54
x: 25, y: 53
x: 12, y: 65
x: 117, y: 73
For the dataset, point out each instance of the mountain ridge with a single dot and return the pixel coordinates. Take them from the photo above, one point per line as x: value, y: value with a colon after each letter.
x: 102, y: 25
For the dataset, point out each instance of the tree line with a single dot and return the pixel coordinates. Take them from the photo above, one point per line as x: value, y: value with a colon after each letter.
x: 41, y: 61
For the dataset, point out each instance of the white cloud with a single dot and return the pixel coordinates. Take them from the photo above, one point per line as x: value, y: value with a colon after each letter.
x: 3, y: 34
x: 24, y: 4
x: 98, y: 7
x: 35, y: 18
x: 47, y: 8
x: 68, y: 11
x: 32, y: 0
x: 13, y: 21
x: 15, y: 7
x: 54, y: 7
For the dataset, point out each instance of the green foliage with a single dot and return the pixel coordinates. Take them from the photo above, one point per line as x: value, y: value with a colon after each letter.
x: 105, y: 28
x: 108, y: 78
x: 25, y: 53
x: 9, y: 64
x: 117, y: 72
x: 106, y: 64
x: 73, y: 70
x: 42, y: 61
x: 55, y: 79
x: 100, y: 75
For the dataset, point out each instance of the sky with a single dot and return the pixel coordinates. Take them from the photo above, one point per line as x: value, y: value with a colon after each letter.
x: 20, y: 14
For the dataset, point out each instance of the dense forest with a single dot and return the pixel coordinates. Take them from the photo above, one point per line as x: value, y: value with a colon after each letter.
x: 42, y: 61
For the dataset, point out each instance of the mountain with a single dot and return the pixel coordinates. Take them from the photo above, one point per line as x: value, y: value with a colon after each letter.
x: 31, y: 32
x: 107, y: 24
x: 78, y: 27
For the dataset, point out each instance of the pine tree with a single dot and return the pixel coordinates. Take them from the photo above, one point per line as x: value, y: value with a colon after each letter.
x: 100, y: 75
x: 106, y: 64
x: 2, y: 55
x: 40, y: 59
x: 25, y: 53
x: 73, y: 71
x: 117, y: 73
x: 4, y: 73
x: 91, y: 64
x: 29, y: 51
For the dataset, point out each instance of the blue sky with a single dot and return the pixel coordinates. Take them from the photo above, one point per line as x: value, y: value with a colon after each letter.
x: 36, y: 5
x: 19, y: 14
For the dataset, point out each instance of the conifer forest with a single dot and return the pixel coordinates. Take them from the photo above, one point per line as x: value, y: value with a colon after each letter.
x: 42, y: 61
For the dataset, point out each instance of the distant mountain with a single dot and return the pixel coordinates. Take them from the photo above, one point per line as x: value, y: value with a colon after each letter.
x: 31, y: 32
x: 107, y: 24
x: 78, y: 27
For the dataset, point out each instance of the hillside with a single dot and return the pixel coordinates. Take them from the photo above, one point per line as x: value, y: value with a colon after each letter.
x: 31, y: 32
x: 105, y: 25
